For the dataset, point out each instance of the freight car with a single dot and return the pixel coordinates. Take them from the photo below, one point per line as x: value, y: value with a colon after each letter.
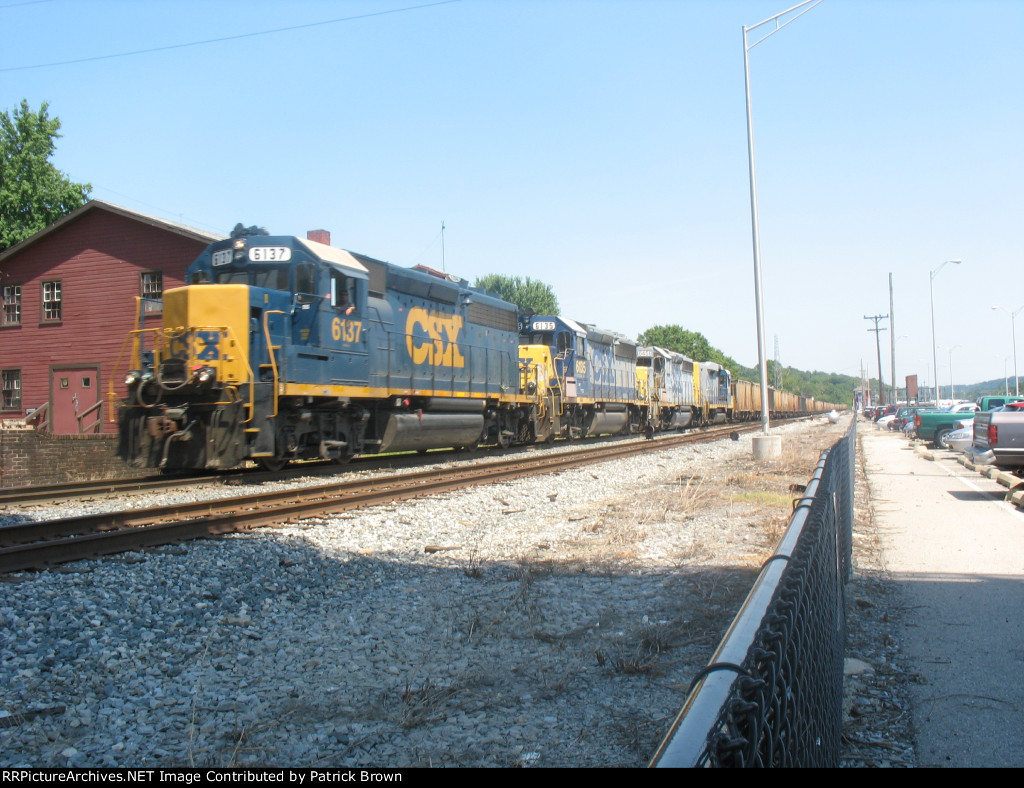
x: 281, y: 348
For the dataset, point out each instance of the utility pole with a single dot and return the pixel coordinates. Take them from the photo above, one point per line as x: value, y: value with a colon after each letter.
x: 892, y: 344
x: 878, y: 347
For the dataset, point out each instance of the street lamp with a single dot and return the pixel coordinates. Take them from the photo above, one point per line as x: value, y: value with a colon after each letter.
x: 1013, y: 333
x: 924, y: 385
x: 1006, y: 375
x: 931, y: 295
x: 952, y: 391
x: 895, y: 387
x: 758, y: 299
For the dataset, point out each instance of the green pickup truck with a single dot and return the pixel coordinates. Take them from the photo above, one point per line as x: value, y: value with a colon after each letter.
x: 933, y: 426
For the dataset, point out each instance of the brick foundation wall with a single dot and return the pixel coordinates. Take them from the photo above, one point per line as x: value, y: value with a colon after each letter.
x: 28, y: 456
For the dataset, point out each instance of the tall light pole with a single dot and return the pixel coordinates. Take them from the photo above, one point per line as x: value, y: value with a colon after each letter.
x: 758, y: 298
x: 895, y: 341
x: 924, y: 385
x: 1013, y: 333
x: 931, y: 295
x: 952, y: 390
x: 892, y: 342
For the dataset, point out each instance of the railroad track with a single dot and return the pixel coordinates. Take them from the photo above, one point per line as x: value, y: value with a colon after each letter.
x: 38, y: 545
x: 45, y: 493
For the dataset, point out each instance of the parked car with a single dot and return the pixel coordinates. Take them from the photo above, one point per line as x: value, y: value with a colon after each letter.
x: 999, y: 437
x: 961, y: 437
x: 906, y: 417
x: 933, y: 426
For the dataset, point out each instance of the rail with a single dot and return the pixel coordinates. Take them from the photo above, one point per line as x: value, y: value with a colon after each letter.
x: 772, y: 693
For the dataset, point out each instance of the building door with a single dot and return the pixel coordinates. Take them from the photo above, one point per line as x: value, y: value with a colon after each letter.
x: 75, y: 391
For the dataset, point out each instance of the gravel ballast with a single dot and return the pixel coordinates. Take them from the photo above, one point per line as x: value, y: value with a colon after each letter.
x: 551, y: 621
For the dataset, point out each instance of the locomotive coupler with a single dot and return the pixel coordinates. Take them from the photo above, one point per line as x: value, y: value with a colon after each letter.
x: 168, y: 422
x: 181, y: 435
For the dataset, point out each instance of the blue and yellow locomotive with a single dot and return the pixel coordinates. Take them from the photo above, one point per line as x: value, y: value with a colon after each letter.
x: 582, y: 378
x: 282, y: 348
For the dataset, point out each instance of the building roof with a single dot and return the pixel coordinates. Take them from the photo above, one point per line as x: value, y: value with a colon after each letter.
x: 93, y: 205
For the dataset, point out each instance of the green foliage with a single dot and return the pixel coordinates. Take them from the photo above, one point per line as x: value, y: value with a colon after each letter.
x: 33, y: 193
x: 690, y: 343
x: 525, y: 293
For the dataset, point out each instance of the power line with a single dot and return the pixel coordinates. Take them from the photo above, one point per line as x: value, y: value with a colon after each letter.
x: 229, y: 38
x: 25, y: 2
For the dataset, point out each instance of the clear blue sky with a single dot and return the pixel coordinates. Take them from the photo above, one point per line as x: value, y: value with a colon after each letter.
x: 599, y: 146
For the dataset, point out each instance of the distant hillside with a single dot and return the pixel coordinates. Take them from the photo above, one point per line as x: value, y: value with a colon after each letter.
x: 975, y: 390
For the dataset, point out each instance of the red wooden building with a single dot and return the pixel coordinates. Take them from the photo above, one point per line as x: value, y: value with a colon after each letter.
x: 67, y: 303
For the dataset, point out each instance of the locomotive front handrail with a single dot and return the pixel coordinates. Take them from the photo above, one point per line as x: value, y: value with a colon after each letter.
x: 273, y: 364
x: 161, y: 338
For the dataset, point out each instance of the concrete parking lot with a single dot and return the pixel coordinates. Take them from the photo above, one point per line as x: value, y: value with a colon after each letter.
x: 956, y: 553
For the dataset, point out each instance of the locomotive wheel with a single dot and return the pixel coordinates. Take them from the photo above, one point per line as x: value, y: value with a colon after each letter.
x: 272, y: 464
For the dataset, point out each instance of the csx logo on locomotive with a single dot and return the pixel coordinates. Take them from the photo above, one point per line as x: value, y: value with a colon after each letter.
x: 205, y: 345
x: 432, y: 337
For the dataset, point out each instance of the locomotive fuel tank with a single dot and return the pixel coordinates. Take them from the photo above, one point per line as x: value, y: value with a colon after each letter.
x: 436, y: 424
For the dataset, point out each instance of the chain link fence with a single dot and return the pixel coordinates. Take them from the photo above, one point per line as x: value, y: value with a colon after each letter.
x: 772, y: 694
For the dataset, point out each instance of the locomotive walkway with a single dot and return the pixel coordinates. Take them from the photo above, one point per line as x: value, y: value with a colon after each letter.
x: 956, y: 554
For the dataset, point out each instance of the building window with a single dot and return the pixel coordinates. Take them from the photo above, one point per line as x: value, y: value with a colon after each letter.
x: 12, y: 305
x: 151, y: 288
x: 52, y: 301
x: 11, y: 388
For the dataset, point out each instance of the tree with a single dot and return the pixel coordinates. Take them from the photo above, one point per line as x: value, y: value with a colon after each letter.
x: 525, y: 293
x: 242, y: 231
x: 33, y: 193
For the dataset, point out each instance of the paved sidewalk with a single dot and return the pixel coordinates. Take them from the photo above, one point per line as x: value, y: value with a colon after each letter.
x: 957, y: 554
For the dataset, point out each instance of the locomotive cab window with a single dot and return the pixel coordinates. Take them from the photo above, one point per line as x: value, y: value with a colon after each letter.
x: 269, y: 277
x: 305, y: 278
x: 343, y: 292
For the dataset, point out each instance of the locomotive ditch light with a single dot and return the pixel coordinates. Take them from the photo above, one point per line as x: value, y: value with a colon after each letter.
x: 205, y: 375
x: 132, y: 377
